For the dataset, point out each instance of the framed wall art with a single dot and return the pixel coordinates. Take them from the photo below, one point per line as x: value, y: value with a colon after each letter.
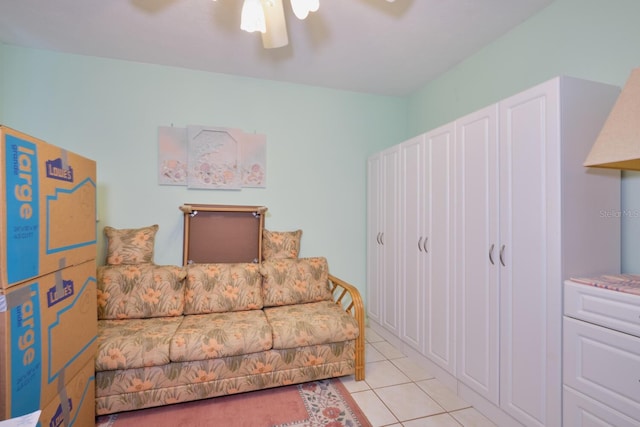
x: 208, y: 157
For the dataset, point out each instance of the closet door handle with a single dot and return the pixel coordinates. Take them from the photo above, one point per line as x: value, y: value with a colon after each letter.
x: 426, y: 239
x: 381, y: 238
x: 378, y: 237
x: 501, y: 254
x: 491, y: 254
x: 419, y: 243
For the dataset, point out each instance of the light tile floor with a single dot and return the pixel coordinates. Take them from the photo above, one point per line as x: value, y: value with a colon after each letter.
x: 397, y: 392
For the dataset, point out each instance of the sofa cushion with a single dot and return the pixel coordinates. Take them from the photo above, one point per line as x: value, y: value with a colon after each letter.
x: 310, y: 324
x: 210, y: 336
x: 280, y: 244
x: 134, y: 343
x: 140, y: 291
x: 295, y: 281
x: 219, y: 288
x: 130, y: 245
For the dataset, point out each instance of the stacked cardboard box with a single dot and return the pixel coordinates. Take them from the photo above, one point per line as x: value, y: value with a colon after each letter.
x: 80, y: 397
x: 47, y: 281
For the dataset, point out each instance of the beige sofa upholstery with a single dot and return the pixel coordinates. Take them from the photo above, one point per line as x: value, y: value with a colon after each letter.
x: 169, y: 334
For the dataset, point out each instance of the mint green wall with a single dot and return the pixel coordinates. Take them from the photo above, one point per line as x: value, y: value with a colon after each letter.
x: 317, y: 139
x: 591, y: 39
x: 317, y: 143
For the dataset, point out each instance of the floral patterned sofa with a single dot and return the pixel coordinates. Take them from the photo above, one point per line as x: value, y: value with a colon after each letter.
x: 171, y: 334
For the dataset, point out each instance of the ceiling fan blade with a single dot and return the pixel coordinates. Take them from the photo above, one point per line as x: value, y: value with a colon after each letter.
x: 276, y: 34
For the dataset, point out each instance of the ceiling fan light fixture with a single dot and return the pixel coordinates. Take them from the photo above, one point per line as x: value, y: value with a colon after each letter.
x: 301, y: 8
x: 252, y: 18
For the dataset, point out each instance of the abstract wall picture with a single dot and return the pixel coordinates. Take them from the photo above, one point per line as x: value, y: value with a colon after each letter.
x: 214, y: 157
x: 172, y: 156
x: 253, y: 156
x: 206, y: 157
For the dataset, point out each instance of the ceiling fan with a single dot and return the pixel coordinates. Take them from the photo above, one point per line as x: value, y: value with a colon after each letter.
x: 267, y: 17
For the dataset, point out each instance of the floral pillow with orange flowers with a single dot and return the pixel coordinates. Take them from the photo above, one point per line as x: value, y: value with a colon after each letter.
x: 222, y: 287
x: 280, y: 244
x: 295, y: 281
x: 140, y: 291
x: 130, y: 246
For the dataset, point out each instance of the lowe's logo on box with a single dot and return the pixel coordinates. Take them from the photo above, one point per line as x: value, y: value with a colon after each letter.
x: 56, y: 294
x: 56, y: 170
x: 58, y: 418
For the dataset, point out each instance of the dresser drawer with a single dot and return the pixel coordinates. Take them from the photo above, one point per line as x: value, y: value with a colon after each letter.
x: 582, y: 411
x: 603, y: 364
x: 615, y: 310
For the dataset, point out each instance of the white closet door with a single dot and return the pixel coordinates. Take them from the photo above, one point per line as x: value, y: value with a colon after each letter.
x: 438, y: 246
x: 374, y: 228
x: 477, y: 253
x: 530, y: 236
x: 389, y: 240
x: 413, y: 213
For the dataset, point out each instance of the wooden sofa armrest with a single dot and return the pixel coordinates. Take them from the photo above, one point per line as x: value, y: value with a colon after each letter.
x: 348, y: 297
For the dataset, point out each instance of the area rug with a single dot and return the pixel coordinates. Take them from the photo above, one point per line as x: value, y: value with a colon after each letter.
x: 320, y: 403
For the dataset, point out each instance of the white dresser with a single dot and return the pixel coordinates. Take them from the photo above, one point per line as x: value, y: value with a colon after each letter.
x: 601, y: 354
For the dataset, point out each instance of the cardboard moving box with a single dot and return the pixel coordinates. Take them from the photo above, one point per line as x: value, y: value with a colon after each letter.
x: 48, y: 208
x: 80, y: 395
x: 48, y: 332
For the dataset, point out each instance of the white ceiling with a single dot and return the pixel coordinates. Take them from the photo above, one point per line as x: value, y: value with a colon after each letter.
x: 370, y: 46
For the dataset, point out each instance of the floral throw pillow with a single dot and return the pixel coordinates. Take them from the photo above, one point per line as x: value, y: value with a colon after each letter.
x: 223, y: 287
x: 130, y: 246
x: 295, y: 281
x: 280, y: 244
x: 140, y: 291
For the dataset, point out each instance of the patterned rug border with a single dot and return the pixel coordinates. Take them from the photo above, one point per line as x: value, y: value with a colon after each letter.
x: 344, y: 411
x: 337, y: 407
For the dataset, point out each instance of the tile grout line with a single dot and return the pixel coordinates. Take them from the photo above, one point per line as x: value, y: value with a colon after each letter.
x: 398, y: 423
